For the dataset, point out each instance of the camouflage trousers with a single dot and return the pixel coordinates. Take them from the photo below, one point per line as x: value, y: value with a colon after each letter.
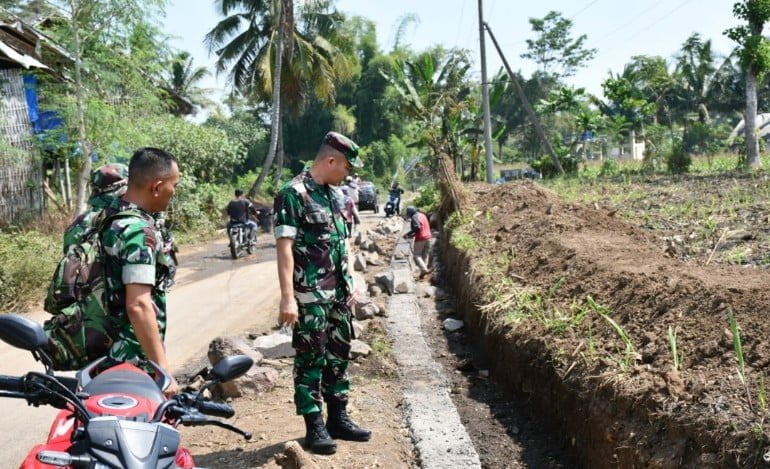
x: 322, y: 341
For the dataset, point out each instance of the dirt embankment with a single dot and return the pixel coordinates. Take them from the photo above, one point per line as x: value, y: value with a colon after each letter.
x: 580, y: 310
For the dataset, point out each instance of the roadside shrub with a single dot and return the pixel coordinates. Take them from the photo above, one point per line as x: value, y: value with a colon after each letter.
x: 678, y: 161
x: 547, y: 168
x: 427, y: 201
x: 609, y: 168
x: 27, y: 261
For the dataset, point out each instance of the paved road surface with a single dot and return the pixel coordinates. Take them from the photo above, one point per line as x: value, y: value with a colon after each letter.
x: 214, y: 295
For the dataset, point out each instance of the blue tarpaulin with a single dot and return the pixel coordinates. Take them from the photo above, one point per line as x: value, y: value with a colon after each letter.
x: 30, y: 93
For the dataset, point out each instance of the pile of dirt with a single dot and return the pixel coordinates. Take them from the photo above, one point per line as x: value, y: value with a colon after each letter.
x: 579, y: 304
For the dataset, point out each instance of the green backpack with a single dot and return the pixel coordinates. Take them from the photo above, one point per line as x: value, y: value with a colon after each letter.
x: 81, y: 329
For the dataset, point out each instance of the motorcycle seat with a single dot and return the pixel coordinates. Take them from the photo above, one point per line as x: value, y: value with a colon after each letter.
x: 128, y: 382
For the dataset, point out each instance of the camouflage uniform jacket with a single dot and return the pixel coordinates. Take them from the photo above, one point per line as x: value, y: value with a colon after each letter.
x: 133, y: 254
x: 311, y: 215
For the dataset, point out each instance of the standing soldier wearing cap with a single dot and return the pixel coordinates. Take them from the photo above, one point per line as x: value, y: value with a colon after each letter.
x: 108, y: 183
x: 316, y: 291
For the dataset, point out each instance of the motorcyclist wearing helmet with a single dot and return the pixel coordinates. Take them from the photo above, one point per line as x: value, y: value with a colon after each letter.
x: 396, y: 192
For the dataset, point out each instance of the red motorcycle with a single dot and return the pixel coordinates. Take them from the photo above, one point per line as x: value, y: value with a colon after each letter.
x: 118, y: 418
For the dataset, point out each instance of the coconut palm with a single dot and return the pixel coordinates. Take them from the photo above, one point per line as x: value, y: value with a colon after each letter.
x: 270, y: 55
x: 183, y: 80
x: 703, y: 78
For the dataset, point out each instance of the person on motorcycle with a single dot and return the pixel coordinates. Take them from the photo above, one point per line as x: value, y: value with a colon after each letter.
x: 239, y: 210
x: 395, y: 192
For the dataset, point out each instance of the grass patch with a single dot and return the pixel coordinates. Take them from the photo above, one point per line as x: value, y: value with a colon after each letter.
x: 27, y: 261
x: 382, y: 347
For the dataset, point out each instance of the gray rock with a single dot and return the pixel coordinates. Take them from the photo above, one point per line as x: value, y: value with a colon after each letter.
x: 359, y: 284
x: 428, y: 291
x: 375, y: 291
x: 403, y: 281
x: 228, y: 346
x: 382, y: 311
x: 452, y: 325
x: 372, y: 258
x: 359, y: 349
x: 258, y: 379
x: 367, y: 311
x: 360, y: 327
x: 386, y: 281
x: 274, y: 346
x: 365, y: 245
x: 359, y: 263
x: 360, y: 238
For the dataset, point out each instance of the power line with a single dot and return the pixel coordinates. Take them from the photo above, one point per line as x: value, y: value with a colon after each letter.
x: 590, y: 4
x: 634, y: 20
x: 460, y: 23
x: 654, y: 23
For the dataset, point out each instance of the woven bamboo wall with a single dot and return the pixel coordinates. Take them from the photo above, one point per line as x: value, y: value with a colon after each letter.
x: 21, y: 195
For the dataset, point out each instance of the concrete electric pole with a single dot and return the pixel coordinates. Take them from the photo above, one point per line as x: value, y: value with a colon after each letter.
x: 485, y: 98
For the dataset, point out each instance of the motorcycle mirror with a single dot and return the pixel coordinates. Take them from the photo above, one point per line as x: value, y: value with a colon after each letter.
x: 22, y: 333
x: 230, y: 368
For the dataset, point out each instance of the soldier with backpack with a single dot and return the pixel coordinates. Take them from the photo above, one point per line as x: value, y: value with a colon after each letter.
x: 108, y: 294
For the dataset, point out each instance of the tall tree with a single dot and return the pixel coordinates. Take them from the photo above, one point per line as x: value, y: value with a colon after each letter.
x: 754, y: 55
x: 246, y: 42
x: 184, y: 78
x: 105, y: 37
x: 554, y: 50
x: 702, y: 78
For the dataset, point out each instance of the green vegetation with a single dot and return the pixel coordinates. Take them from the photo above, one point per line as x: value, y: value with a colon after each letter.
x: 27, y: 260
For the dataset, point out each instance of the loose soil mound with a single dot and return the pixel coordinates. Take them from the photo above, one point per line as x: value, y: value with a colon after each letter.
x: 553, y: 287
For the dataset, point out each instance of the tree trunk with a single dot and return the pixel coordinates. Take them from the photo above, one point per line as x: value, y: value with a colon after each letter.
x: 280, y: 155
x: 750, y: 118
x: 67, y: 184
x: 275, y: 124
x: 85, y: 147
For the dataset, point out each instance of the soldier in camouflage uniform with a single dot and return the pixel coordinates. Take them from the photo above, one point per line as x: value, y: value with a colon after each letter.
x: 136, y: 266
x: 316, y: 290
x: 107, y: 184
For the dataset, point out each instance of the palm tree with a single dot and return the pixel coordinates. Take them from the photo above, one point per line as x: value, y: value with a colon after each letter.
x: 183, y: 80
x: 270, y: 55
x: 701, y: 80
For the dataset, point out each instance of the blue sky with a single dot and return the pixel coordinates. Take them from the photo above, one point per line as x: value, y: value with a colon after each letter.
x: 619, y: 29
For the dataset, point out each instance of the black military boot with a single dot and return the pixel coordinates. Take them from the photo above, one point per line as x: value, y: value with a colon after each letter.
x: 341, y: 427
x: 317, y: 439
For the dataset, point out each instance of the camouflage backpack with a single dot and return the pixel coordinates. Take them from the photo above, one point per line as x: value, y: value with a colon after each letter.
x: 81, y: 329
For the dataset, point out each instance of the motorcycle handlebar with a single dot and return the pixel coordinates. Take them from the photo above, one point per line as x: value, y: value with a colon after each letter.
x: 11, y: 383
x: 216, y: 410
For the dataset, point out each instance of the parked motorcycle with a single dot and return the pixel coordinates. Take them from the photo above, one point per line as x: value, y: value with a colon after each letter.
x: 240, y: 239
x: 118, y: 418
x: 390, y: 206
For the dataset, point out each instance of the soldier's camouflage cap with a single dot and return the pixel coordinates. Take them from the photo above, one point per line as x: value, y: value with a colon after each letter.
x: 345, y: 146
x: 110, y: 179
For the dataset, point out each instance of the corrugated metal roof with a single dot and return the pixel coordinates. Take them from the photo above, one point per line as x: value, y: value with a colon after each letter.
x: 22, y: 59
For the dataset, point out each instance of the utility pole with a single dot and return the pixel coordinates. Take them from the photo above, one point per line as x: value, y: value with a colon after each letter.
x: 485, y: 98
x: 527, y: 107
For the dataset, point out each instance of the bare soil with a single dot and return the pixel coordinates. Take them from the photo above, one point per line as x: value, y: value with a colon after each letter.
x: 564, y: 283
x: 374, y: 404
x: 504, y: 428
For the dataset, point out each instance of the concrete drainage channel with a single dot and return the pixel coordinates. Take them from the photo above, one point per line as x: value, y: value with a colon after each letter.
x: 439, y: 436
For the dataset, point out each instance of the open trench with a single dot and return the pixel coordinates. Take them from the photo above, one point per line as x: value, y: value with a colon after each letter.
x: 457, y: 415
